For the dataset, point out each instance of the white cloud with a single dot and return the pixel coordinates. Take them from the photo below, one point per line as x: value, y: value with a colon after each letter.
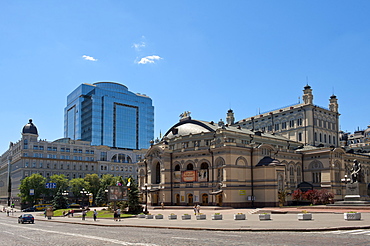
x: 149, y: 59
x: 138, y: 46
x: 89, y: 58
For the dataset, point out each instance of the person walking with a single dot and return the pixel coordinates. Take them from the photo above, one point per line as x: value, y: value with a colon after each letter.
x: 83, y: 214
x: 95, y: 214
x: 195, y: 209
x: 198, y: 209
x: 115, y: 215
x: 119, y: 214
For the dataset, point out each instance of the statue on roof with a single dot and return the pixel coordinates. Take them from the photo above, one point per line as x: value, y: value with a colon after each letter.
x: 186, y: 114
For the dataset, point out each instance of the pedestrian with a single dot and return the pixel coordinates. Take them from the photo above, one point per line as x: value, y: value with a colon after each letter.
x: 119, y: 214
x: 115, y: 215
x: 162, y: 204
x: 195, y: 209
x: 198, y: 209
x: 95, y: 214
x: 7, y: 212
x: 45, y: 213
x: 83, y: 214
x: 72, y: 212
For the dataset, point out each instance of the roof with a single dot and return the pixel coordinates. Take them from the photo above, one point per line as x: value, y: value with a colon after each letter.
x: 30, y: 128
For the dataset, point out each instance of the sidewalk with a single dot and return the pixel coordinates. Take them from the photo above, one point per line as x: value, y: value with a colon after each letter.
x: 282, y: 219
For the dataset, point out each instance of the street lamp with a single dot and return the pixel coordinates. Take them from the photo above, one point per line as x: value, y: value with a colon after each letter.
x: 345, y: 179
x: 146, y: 198
x: 83, y: 192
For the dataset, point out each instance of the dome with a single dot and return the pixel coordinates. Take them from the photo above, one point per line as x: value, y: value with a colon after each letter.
x: 30, y: 128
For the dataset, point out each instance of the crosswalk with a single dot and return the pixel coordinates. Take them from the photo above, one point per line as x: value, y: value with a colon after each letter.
x: 352, y: 232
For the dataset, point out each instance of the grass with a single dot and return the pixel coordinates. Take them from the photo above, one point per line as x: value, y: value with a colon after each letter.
x: 101, y: 213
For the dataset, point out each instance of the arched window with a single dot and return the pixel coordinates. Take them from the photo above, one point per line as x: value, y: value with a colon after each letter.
x: 158, y: 173
x: 203, y: 172
x: 177, y: 168
x: 190, y: 167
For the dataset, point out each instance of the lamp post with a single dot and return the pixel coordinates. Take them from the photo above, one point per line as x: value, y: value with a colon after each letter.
x: 83, y: 193
x: 146, y: 198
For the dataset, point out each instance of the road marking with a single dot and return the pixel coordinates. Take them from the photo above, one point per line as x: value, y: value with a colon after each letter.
x: 185, y: 238
x: 9, y: 232
x: 80, y: 235
x: 24, y: 237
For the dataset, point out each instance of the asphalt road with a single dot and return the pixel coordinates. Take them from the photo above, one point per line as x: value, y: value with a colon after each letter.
x: 50, y: 233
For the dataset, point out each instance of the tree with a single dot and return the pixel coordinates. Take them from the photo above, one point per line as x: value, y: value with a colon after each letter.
x: 93, y: 187
x: 133, y: 202
x: 76, y: 186
x: 37, y: 183
x: 60, y: 201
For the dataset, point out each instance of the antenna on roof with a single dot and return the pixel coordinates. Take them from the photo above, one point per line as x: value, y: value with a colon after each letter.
x: 299, y: 99
x: 307, y: 80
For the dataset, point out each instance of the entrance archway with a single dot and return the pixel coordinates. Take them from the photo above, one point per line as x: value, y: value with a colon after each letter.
x: 204, y: 199
x: 190, y: 200
x: 219, y: 199
x: 177, y: 198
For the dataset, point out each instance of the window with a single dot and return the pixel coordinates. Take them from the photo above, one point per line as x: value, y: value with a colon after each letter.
x: 49, y: 148
x: 103, y: 156
x: 316, y: 177
x: 55, y: 149
x: 62, y: 149
x: 291, y: 123
x: 68, y: 150
x: 41, y: 165
x: 300, y: 136
x: 26, y: 164
x: 35, y: 147
x: 299, y: 121
x: 35, y: 155
x: 283, y: 125
x: 276, y: 127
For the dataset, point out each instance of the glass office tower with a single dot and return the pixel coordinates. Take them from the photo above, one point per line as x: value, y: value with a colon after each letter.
x: 107, y: 113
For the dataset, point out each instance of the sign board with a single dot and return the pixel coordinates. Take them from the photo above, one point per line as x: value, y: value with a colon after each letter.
x: 32, y: 192
x: 189, y: 176
x: 51, y: 185
x: 117, y: 193
x: 242, y: 192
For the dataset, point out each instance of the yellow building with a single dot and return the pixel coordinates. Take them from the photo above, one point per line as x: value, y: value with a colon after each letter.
x: 231, y: 165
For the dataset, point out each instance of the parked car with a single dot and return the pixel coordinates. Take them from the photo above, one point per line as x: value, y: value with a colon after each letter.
x: 30, y: 209
x: 26, y: 218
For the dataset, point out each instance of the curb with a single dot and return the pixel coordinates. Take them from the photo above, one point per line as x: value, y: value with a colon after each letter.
x: 221, y: 229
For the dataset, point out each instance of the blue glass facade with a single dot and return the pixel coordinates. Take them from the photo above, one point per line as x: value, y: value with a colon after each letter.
x: 107, y: 113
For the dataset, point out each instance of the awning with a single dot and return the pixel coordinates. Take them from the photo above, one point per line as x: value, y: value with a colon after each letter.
x: 216, y: 192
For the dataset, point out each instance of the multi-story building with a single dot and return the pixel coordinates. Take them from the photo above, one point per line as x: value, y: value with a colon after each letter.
x: 107, y: 113
x: 251, y: 162
x: 305, y: 122
x: 73, y: 158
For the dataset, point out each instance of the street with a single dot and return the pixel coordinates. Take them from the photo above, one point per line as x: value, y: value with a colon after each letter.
x: 52, y: 233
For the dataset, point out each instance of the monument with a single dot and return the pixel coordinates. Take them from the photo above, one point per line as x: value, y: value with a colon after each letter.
x: 356, y: 189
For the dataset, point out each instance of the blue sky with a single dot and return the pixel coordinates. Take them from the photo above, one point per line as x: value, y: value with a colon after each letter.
x: 199, y: 56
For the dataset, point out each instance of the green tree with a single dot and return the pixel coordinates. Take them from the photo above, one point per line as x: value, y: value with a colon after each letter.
x: 93, y: 187
x: 133, y: 192
x: 76, y: 185
x: 60, y: 201
x: 37, y: 183
x: 61, y: 181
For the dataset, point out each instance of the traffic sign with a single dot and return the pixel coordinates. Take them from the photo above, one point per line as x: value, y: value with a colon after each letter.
x: 51, y: 185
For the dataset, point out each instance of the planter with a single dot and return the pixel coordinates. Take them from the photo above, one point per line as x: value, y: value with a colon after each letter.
x: 159, y: 216
x: 186, y: 217
x: 306, y: 216
x: 201, y: 217
x: 264, y: 216
x: 140, y: 215
x: 239, y: 217
x: 352, y: 216
x: 217, y: 217
x: 172, y: 217
x: 149, y: 216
